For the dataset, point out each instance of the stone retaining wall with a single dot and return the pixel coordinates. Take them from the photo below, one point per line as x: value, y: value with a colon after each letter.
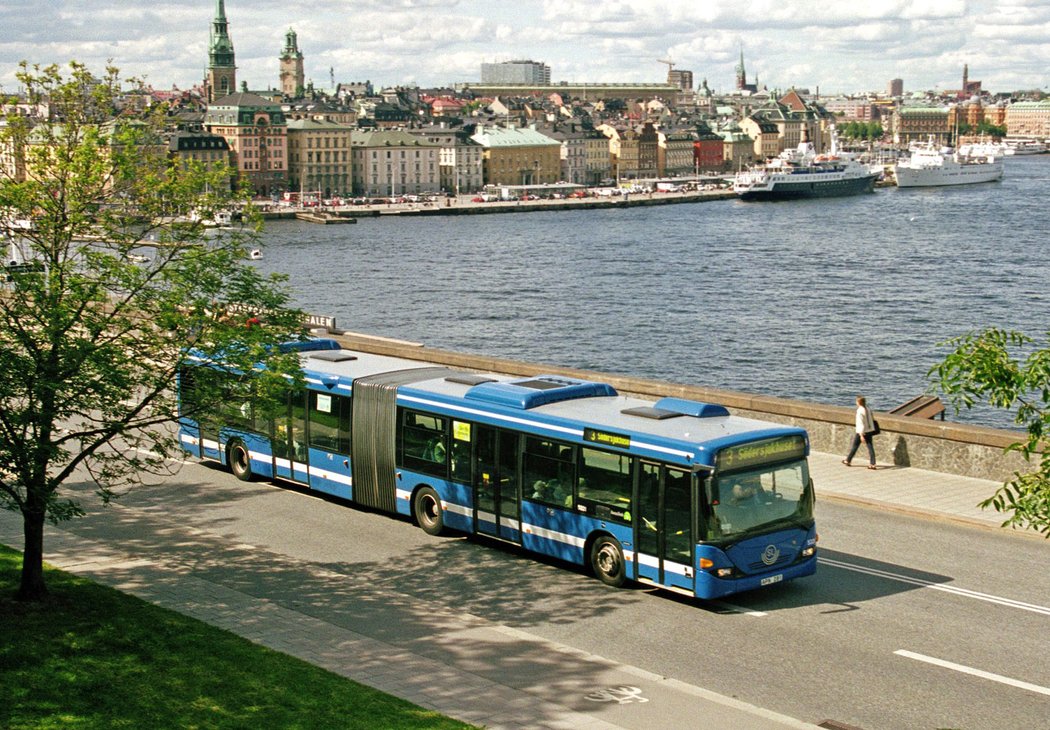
x: 973, y: 451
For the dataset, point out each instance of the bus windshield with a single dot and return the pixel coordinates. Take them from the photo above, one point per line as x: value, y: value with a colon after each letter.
x: 751, y: 500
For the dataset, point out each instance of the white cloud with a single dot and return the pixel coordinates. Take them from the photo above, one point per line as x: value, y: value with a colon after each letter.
x: 833, y: 44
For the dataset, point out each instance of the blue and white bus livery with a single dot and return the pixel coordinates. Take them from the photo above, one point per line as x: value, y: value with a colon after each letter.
x: 677, y: 494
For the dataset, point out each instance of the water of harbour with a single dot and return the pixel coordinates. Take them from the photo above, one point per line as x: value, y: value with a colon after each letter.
x: 815, y: 300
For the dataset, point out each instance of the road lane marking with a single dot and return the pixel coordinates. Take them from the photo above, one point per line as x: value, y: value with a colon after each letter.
x: 147, y: 452
x: 975, y: 672
x: 964, y: 592
x: 739, y: 609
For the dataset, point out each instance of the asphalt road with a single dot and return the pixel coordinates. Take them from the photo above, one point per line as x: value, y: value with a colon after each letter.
x: 908, y: 623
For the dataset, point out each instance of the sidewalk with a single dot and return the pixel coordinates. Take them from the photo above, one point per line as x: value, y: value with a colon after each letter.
x: 455, y: 663
x: 904, y: 489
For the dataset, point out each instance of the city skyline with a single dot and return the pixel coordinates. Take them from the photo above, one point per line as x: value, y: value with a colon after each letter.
x: 833, y: 46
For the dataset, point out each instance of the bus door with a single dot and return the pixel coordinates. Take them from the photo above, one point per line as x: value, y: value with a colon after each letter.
x: 289, y: 440
x: 497, y: 491
x: 209, y: 437
x: 664, y: 523
x: 192, y: 381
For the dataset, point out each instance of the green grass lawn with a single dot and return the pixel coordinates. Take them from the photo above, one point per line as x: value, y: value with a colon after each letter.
x: 92, y: 657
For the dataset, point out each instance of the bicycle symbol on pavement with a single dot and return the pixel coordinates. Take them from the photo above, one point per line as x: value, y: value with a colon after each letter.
x: 623, y: 695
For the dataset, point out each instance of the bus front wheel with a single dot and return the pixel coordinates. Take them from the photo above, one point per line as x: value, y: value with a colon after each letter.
x: 426, y: 508
x: 240, y: 461
x: 607, y: 561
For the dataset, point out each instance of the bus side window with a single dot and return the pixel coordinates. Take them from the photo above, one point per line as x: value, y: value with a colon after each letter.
x: 548, y: 472
x: 605, y: 479
x: 424, y: 443
x: 330, y: 422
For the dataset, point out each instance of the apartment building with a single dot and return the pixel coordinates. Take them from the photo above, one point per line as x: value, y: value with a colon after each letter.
x: 919, y: 124
x: 675, y: 150
x: 766, y: 136
x: 518, y: 155
x: 1030, y: 119
x: 394, y: 162
x: 256, y: 131
x: 460, y: 158
x: 573, y: 152
x: 209, y: 150
x: 319, y: 157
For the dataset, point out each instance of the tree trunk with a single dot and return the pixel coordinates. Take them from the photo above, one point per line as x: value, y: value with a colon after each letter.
x: 32, y: 587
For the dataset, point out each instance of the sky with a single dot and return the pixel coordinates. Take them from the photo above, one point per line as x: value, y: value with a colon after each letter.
x: 830, y: 45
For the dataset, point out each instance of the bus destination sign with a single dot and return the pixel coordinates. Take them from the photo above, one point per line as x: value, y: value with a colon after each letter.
x: 604, y: 437
x: 761, y: 452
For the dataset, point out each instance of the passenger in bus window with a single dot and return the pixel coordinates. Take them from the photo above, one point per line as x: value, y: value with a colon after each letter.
x: 541, y: 491
x: 560, y: 493
x: 435, y: 450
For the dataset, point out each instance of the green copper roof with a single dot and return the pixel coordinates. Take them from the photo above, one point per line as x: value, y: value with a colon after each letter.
x: 512, y: 137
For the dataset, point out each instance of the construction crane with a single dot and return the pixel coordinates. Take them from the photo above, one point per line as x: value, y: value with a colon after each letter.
x: 670, y: 67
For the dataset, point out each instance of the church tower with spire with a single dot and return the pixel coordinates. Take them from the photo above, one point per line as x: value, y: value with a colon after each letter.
x: 293, y: 80
x: 741, y: 77
x: 222, y: 70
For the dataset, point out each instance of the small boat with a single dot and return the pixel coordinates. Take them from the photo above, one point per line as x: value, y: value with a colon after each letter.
x: 218, y: 219
x: 137, y: 258
x: 255, y: 254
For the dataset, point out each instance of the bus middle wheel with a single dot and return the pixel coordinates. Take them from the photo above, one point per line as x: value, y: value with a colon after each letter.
x: 426, y: 508
x: 240, y: 461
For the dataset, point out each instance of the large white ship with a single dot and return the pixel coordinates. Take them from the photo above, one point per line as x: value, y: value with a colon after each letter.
x: 802, y: 173
x: 929, y: 166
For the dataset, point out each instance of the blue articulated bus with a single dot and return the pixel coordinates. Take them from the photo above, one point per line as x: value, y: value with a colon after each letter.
x: 673, y: 493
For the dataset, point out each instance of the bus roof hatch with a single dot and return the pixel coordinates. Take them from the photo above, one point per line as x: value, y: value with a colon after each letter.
x: 537, y: 391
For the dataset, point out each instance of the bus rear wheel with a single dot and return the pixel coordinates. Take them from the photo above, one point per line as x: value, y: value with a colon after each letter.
x: 607, y: 561
x: 240, y: 461
x: 426, y: 508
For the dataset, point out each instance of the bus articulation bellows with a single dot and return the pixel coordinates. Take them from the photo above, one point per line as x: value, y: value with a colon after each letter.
x: 677, y: 493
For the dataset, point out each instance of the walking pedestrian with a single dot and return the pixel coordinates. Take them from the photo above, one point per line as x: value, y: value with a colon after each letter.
x: 865, y: 431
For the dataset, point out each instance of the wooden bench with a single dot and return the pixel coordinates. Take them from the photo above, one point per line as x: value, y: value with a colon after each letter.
x: 922, y: 406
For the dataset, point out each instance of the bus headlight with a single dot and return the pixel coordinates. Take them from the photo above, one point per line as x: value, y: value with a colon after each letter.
x: 809, y: 551
x: 724, y: 572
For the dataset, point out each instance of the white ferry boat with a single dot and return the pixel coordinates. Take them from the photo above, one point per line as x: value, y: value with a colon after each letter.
x: 931, y: 167
x: 1024, y: 147
x: 984, y: 148
x: 802, y: 173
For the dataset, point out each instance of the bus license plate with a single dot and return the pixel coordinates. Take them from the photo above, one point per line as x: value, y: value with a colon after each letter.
x: 772, y: 579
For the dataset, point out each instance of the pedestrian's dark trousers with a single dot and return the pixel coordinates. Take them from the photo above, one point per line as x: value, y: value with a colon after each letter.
x: 855, y: 444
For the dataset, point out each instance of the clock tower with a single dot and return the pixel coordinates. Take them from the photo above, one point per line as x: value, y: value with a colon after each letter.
x: 293, y: 80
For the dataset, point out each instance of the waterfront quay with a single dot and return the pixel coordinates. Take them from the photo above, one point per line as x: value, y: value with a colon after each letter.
x: 962, y: 450
x: 466, y: 205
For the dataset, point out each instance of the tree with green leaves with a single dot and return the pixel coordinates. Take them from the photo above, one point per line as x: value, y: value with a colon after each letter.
x: 997, y: 131
x: 114, y: 283
x: 1007, y: 370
